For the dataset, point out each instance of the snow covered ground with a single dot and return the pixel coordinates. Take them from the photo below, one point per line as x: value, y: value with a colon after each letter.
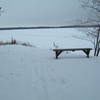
x: 29, y: 73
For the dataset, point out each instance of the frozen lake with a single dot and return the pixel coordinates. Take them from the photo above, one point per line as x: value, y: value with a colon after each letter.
x: 45, y: 38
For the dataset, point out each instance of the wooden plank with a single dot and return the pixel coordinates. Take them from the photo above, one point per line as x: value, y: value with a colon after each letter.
x: 70, y: 49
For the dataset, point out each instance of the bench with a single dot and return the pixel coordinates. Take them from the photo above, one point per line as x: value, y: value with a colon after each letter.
x: 59, y: 51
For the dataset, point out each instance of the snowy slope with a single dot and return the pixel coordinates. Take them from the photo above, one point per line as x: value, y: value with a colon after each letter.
x: 28, y: 73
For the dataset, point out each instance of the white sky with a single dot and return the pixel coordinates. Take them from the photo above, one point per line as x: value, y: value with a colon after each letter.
x: 40, y: 12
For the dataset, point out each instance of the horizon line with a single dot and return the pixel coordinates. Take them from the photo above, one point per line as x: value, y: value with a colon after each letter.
x: 49, y: 27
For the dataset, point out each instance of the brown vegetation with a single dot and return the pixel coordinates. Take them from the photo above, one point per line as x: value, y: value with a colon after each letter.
x: 14, y: 42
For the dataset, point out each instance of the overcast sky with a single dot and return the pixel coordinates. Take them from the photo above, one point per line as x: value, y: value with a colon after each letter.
x: 40, y: 12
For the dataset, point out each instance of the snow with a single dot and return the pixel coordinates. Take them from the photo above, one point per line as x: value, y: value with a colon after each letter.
x: 29, y: 73
x: 44, y: 38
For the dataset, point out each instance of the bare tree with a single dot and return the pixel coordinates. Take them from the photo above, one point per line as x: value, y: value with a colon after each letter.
x: 94, y: 10
x: 0, y: 10
x: 93, y: 7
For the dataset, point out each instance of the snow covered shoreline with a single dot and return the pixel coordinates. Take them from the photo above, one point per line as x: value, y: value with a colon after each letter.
x: 45, y: 38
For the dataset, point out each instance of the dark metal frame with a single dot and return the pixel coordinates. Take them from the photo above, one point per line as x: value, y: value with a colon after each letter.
x: 85, y: 50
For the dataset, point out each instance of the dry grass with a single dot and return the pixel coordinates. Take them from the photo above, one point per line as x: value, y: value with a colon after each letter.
x: 14, y: 42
